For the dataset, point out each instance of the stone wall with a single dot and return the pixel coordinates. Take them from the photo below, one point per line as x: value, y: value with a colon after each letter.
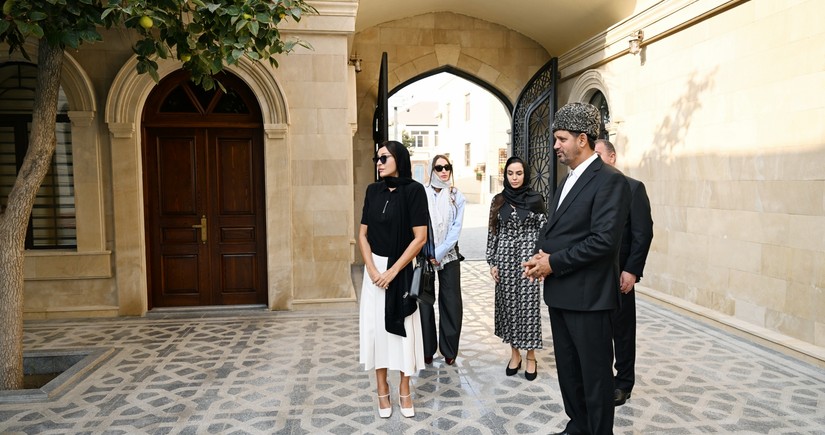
x: 720, y: 116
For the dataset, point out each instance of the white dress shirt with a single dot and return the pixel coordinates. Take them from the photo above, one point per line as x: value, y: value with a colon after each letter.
x: 573, y: 176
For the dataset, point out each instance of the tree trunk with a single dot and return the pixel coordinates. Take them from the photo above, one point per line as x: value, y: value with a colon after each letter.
x: 14, y: 220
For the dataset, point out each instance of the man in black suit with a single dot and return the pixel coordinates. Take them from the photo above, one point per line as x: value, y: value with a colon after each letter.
x: 638, y: 234
x: 578, y: 259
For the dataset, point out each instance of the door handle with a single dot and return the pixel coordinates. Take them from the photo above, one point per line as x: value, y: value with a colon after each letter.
x: 202, y: 226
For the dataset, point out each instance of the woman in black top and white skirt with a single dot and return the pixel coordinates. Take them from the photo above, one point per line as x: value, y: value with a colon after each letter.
x: 393, y: 230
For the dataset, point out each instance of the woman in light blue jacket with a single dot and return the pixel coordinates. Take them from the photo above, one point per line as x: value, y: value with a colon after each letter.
x: 446, y: 206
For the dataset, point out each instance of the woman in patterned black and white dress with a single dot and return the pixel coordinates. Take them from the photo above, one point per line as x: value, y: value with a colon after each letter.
x: 516, y: 216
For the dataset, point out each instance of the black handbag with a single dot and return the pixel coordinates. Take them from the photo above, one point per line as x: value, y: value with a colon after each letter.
x: 422, y: 286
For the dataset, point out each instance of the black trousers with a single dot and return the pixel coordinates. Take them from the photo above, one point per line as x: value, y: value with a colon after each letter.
x: 583, y: 348
x: 624, y: 342
x: 450, y: 312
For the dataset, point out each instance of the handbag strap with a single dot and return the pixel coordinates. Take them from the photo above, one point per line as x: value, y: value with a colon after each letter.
x: 429, y: 247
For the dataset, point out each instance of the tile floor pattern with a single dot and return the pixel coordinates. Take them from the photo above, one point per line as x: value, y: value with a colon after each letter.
x: 298, y: 373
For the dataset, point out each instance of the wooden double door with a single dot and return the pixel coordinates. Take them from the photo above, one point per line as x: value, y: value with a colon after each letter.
x: 204, y: 193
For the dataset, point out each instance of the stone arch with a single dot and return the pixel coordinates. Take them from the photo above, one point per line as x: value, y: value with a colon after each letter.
x: 411, y: 71
x: 491, y: 54
x: 124, y: 108
x: 416, y: 45
x: 457, y: 72
x: 75, y: 82
x: 586, y: 85
x: 131, y: 87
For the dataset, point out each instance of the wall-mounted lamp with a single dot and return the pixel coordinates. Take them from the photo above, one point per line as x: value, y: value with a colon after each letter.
x: 355, y: 61
x: 636, y: 41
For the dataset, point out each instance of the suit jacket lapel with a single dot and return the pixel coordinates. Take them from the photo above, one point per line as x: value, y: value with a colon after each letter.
x: 553, y: 213
x: 554, y: 203
x: 585, y: 178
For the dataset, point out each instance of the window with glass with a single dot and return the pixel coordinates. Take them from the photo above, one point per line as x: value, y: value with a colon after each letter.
x: 600, y: 102
x: 497, y: 182
x: 467, y: 154
x: 418, y: 171
x: 502, y: 161
x: 467, y: 107
x: 52, y: 223
x: 419, y: 138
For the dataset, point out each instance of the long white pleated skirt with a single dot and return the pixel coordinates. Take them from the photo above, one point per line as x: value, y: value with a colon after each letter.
x: 379, y: 348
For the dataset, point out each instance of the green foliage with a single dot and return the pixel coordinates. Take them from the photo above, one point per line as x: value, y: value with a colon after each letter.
x: 407, y: 140
x: 204, y: 34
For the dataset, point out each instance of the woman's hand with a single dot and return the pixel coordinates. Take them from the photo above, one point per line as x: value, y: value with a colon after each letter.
x: 384, y: 279
x: 494, y: 273
x: 374, y: 275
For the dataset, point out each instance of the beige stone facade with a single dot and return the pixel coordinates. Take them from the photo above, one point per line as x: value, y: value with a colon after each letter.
x: 308, y: 116
x: 720, y: 115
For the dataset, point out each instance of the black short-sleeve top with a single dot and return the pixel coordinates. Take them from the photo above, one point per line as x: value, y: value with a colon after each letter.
x: 382, y: 214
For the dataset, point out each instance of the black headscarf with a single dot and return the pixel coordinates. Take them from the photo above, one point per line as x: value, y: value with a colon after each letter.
x: 398, y: 304
x: 524, y: 199
x: 402, y: 162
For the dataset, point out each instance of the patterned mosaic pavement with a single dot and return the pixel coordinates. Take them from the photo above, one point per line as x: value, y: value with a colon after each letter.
x: 297, y: 373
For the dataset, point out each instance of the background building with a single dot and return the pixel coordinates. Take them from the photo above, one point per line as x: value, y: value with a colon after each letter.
x: 446, y: 114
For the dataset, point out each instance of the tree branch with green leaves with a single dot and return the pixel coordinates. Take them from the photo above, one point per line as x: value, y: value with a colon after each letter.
x: 204, y: 35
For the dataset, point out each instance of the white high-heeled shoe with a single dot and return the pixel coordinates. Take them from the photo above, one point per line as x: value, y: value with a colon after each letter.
x: 385, y: 412
x: 406, y: 412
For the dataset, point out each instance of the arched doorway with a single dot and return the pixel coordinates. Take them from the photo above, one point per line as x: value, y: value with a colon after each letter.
x: 449, y: 112
x: 203, y: 168
x: 532, y: 118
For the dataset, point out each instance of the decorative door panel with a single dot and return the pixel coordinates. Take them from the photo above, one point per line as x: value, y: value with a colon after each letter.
x: 238, y: 233
x: 532, y: 138
x: 179, y: 259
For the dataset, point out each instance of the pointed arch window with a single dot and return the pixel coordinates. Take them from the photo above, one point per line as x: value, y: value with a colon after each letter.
x: 52, y: 224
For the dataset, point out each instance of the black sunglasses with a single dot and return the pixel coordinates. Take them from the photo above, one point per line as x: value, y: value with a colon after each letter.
x: 382, y: 159
x: 439, y: 168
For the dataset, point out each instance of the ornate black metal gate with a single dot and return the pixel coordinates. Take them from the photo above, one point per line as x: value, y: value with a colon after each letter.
x: 380, y: 127
x: 532, y: 137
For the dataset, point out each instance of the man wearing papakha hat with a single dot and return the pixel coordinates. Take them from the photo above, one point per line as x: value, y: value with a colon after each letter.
x: 578, y: 259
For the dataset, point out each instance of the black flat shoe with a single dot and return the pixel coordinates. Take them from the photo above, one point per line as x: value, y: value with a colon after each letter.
x: 530, y: 376
x: 511, y: 372
x: 620, y: 397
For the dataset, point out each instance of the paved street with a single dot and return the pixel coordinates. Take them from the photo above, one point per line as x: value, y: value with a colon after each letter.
x: 473, y: 240
x: 259, y: 372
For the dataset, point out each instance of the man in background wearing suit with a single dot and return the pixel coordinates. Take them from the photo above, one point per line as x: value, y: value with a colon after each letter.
x: 638, y: 234
x: 578, y: 259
